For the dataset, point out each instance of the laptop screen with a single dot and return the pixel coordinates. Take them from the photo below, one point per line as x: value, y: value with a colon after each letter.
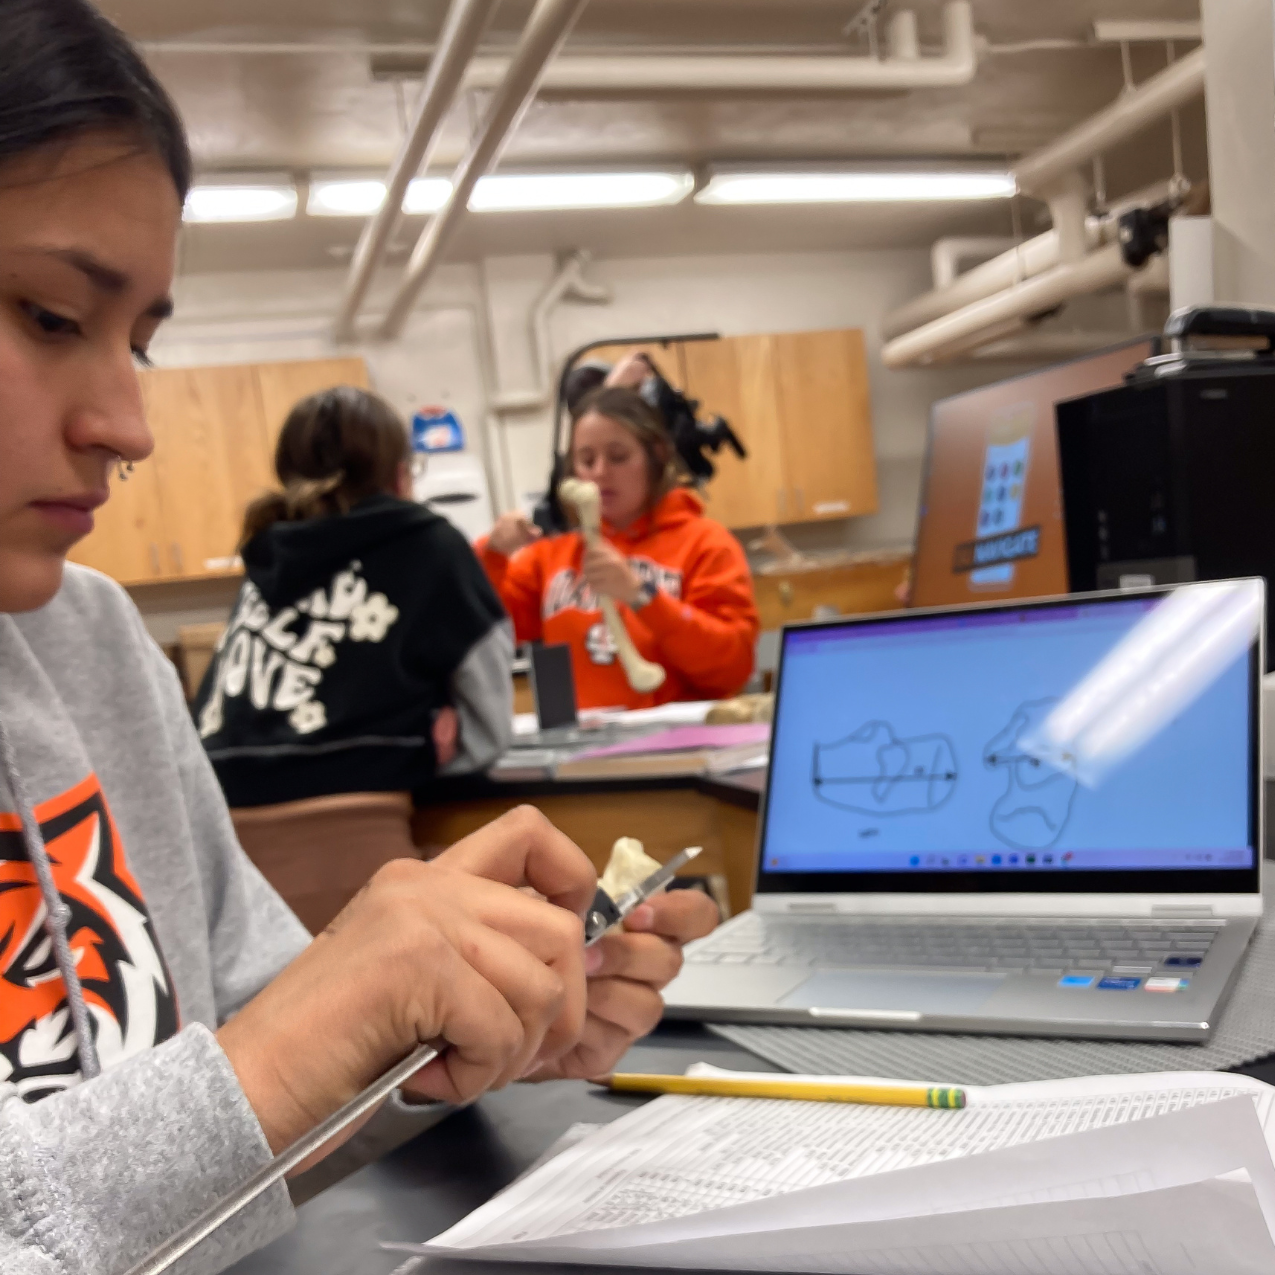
x: 1100, y: 744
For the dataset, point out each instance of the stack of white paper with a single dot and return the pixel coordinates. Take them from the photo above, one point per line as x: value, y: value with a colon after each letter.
x: 1125, y: 1175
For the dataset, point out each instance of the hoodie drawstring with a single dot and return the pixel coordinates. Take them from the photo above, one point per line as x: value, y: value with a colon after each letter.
x: 57, y: 914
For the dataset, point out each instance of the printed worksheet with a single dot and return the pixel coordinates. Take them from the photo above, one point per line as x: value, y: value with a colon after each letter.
x: 1158, y: 1165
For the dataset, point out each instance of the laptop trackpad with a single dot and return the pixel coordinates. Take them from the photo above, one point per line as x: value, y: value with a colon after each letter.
x: 891, y: 990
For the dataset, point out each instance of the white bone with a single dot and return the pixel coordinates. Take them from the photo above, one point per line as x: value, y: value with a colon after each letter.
x: 643, y: 676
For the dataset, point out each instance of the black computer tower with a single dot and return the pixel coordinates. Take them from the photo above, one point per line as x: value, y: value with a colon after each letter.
x: 1171, y: 477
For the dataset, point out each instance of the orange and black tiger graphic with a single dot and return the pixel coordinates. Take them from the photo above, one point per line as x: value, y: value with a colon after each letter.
x: 126, y: 983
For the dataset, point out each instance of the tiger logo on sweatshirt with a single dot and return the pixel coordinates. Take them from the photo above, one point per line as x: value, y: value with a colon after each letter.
x: 127, y: 986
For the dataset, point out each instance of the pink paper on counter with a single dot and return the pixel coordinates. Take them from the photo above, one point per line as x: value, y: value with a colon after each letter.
x: 679, y: 739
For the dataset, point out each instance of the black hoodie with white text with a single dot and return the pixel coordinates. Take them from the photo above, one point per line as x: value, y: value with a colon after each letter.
x: 349, y: 634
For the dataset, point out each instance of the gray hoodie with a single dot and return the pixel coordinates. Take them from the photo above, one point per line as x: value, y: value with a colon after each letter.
x: 168, y: 927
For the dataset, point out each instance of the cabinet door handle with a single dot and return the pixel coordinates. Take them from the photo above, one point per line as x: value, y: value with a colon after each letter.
x: 781, y: 500
x: 155, y: 559
x: 177, y: 558
x: 800, y: 501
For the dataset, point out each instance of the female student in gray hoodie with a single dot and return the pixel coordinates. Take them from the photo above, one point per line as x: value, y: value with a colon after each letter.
x: 132, y: 927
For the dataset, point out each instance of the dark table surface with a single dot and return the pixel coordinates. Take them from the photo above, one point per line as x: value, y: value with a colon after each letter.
x: 427, y: 1185
x: 431, y: 1182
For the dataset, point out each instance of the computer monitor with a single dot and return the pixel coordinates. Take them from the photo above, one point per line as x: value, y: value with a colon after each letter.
x: 991, y: 520
x: 1106, y: 743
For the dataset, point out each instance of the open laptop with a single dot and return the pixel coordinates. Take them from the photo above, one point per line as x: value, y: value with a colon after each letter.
x: 1038, y: 818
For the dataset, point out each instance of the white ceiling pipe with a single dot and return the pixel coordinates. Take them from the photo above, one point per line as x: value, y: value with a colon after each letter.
x: 1068, y: 206
x: 1128, y: 115
x: 947, y: 254
x: 1102, y: 269
x: 1138, y: 30
x: 967, y: 345
x: 1037, y: 347
x: 1028, y: 259
x: 901, y: 38
x: 541, y: 39
x: 759, y: 73
x: 1051, y: 172
x: 462, y: 29
x: 569, y: 284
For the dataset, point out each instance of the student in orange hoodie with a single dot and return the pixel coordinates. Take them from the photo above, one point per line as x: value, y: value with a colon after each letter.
x: 680, y: 580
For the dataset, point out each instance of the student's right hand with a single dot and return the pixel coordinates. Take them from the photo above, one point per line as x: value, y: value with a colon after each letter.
x: 454, y: 951
x: 511, y: 532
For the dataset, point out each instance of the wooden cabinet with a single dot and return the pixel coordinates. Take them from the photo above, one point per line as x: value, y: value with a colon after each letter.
x: 825, y: 419
x: 179, y: 515
x: 799, y: 402
x: 127, y: 530
x: 735, y: 378
x: 282, y: 385
x: 208, y: 434
x: 869, y: 582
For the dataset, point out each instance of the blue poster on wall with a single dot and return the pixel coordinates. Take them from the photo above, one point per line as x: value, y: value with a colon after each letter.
x: 437, y: 429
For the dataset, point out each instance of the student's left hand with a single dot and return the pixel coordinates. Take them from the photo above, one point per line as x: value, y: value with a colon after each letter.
x: 626, y: 971
x: 606, y: 570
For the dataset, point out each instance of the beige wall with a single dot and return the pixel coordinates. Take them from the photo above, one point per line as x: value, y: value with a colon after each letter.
x: 469, y: 339
x: 1240, y: 95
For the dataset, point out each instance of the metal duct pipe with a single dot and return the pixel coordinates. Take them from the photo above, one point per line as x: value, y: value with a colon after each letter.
x: 1029, y: 258
x: 901, y: 37
x: 1102, y: 269
x: 1038, y: 347
x: 946, y: 254
x: 462, y: 29
x: 762, y: 73
x: 1129, y: 114
x: 569, y: 284
x: 1016, y: 264
x: 540, y: 40
x: 1068, y: 208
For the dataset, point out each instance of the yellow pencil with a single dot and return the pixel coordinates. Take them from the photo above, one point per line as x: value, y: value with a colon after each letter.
x: 781, y: 1087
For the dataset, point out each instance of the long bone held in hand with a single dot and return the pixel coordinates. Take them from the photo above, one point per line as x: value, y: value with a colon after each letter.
x: 583, y: 497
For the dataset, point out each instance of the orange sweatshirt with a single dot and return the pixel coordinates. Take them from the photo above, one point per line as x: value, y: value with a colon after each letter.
x: 701, y: 625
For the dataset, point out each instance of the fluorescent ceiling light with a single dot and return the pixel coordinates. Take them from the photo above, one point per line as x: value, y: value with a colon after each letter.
x: 338, y: 198
x: 853, y: 187
x: 245, y: 200
x: 426, y: 195
x: 512, y: 192
x: 544, y: 191
x: 363, y: 196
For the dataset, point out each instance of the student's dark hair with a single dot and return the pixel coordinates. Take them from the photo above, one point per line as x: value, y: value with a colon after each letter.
x: 66, y: 71
x: 580, y: 381
x: 337, y: 448
x: 628, y: 408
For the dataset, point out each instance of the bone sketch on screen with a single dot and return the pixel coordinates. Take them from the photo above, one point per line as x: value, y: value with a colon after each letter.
x: 1033, y: 811
x: 874, y: 772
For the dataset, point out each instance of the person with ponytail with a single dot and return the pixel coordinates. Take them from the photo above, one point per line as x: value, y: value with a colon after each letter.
x: 167, y: 1025
x: 367, y: 650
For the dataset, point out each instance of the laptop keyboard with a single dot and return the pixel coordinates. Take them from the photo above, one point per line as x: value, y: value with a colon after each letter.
x: 1054, y: 946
